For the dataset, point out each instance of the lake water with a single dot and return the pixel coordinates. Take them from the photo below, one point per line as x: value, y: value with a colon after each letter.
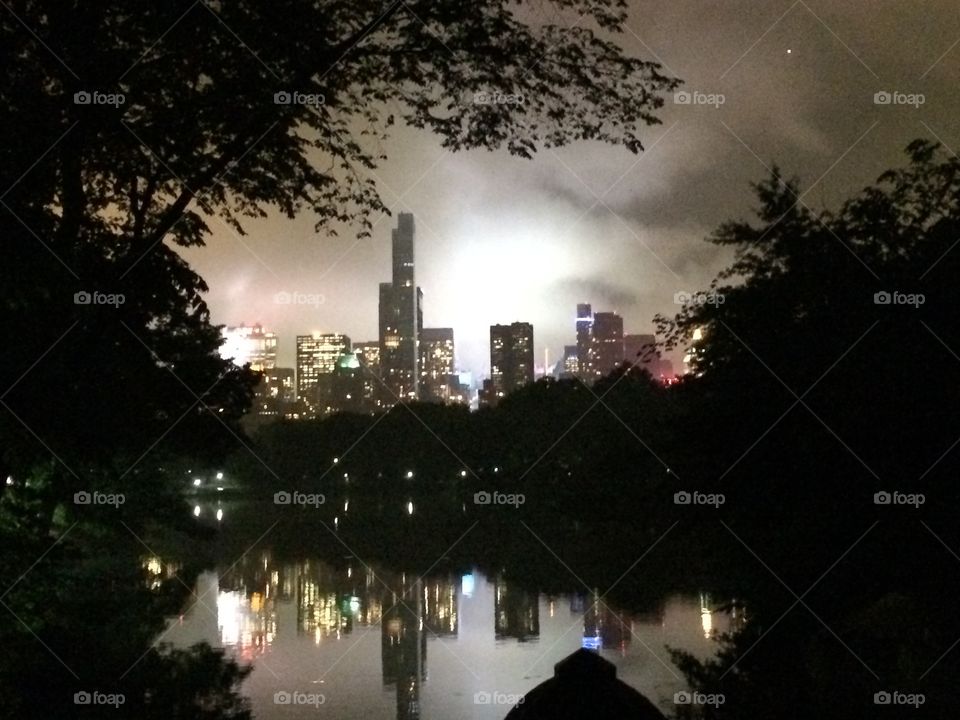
x: 367, y: 642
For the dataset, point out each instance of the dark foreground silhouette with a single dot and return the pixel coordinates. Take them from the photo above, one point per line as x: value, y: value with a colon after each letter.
x: 584, y: 686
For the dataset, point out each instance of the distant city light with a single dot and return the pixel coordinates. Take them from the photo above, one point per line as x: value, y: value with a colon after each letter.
x: 463, y: 473
x: 336, y: 460
x: 219, y: 514
x: 467, y: 584
x: 219, y: 476
x: 196, y: 511
x: 197, y: 482
x: 410, y: 507
x: 409, y: 474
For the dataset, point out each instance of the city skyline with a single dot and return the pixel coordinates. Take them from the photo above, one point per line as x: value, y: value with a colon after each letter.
x: 400, y: 327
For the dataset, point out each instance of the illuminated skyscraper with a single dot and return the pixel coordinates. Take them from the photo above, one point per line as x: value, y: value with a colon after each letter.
x: 438, y: 378
x: 599, y: 342
x: 606, y: 343
x: 368, y: 354
x: 584, y: 325
x: 511, y: 358
x: 401, y: 317
x: 694, y: 353
x: 569, y: 365
x: 275, y: 394
x: 250, y: 345
x: 317, y: 357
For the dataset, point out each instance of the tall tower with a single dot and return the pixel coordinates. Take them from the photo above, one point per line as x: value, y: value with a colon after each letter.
x: 606, y: 347
x: 438, y: 379
x: 511, y: 358
x: 584, y: 335
x: 401, y: 317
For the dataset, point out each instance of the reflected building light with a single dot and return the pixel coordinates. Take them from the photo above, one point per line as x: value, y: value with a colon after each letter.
x: 592, y: 642
x: 706, y: 620
x: 228, y: 617
x: 219, y: 514
x: 706, y: 615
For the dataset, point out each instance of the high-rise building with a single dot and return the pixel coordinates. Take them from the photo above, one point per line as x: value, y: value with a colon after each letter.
x: 606, y: 343
x: 317, y: 356
x: 511, y: 358
x: 275, y: 393
x: 694, y: 354
x: 584, y: 326
x: 401, y: 317
x: 569, y: 365
x: 346, y: 387
x: 368, y: 354
x: 438, y: 378
x: 599, y: 342
x: 252, y: 345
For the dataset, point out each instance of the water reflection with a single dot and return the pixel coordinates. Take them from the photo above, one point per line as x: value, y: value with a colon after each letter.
x: 365, y: 638
x: 516, y: 612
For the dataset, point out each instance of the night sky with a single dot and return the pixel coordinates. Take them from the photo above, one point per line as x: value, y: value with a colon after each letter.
x: 502, y: 239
